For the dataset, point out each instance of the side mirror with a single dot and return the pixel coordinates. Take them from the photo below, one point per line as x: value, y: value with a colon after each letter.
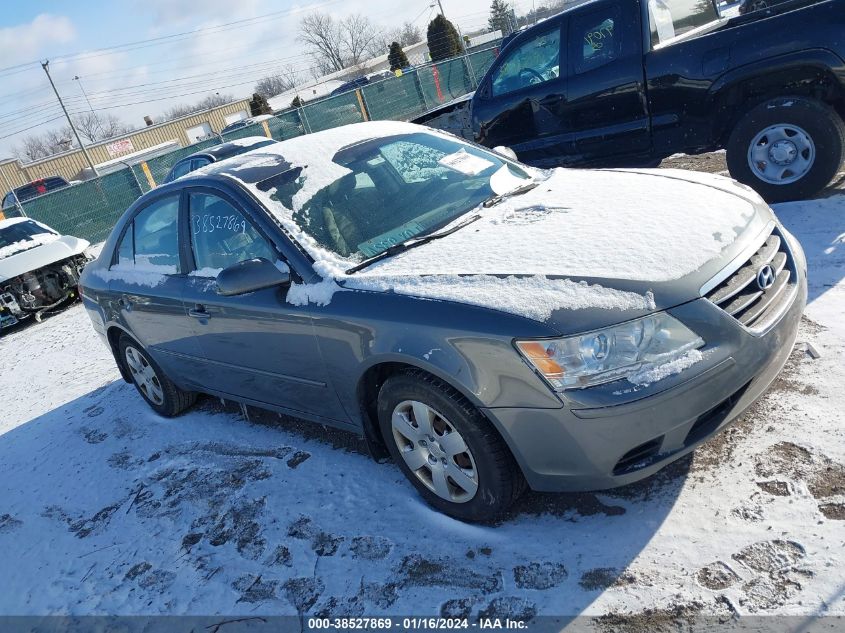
x: 251, y: 275
x: 507, y: 152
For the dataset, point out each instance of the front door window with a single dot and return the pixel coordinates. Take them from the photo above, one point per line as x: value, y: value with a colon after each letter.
x: 221, y: 236
x: 534, y: 61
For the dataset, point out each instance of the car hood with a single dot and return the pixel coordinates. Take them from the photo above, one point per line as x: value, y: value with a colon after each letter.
x: 42, y: 255
x: 585, y: 247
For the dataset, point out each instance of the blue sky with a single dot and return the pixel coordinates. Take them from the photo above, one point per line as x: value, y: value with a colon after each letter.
x: 134, y: 81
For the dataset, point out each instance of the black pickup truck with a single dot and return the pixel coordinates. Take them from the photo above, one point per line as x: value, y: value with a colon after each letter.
x: 631, y: 82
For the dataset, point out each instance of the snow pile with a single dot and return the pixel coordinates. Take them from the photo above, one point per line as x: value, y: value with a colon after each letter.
x: 131, y: 275
x: 318, y: 294
x: 534, y: 297
x: 24, y: 245
x: 206, y: 272
x: 248, y: 141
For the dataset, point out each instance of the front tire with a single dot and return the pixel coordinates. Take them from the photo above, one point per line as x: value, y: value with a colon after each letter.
x: 163, y: 396
x: 450, y: 453
x: 787, y: 148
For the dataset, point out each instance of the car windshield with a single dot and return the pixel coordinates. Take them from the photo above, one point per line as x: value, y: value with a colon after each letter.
x: 672, y: 18
x: 385, y: 191
x: 20, y: 232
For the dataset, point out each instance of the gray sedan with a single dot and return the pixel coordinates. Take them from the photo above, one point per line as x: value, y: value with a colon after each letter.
x: 488, y: 325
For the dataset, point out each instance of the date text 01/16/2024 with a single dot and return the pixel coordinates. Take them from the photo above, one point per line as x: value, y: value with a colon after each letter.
x: 413, y: 623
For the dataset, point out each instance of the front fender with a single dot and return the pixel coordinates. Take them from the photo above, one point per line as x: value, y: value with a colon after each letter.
x: 487, y: 371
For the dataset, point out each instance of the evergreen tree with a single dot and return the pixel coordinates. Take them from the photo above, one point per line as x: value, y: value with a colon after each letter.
x: 258, y: 105
x: 443, y: 39
x: 499, y: 19
x: 296, y: 103
x: 397, y: 58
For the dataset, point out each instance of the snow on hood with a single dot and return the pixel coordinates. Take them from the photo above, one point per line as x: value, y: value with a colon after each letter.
x: 51, y: 248
x: 608, y: 224
x: 534, y: 297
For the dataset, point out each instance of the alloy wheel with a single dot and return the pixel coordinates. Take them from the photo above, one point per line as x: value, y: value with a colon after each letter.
x: 434, y: 451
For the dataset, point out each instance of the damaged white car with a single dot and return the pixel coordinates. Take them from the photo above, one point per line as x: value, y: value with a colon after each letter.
x: 39, y: 269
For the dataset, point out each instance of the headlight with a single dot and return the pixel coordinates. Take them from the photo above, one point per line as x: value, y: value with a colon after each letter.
x: 610, y: 354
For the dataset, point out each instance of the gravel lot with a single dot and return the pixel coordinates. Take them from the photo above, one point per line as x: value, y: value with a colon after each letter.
x: 107, y: 508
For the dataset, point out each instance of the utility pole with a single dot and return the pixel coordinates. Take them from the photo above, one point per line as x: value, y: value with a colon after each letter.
x: 440, y: 4
x: 45, y: 65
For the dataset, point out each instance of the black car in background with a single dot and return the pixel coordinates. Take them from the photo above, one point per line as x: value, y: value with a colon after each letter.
x: 32, y: 190
x: 358, y: 82
x: 631, y: 82
x: 216, y: 153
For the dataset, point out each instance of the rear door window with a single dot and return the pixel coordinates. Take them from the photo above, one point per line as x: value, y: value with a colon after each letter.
x: 126, y: 250
x: 671, y: 18
x: 199, y: 162
x: 180, y: 169
x: 156, y: 237
x: 596, y: 39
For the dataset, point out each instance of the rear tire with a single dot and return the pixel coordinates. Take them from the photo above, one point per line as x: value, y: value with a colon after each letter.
x: 788, y: 148
x: 426, y: 424
x: 163, y: 396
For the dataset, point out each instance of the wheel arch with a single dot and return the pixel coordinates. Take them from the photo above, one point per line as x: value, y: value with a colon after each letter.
x: 806, y: 74
x: 113, y: 334
x: 369, y: 385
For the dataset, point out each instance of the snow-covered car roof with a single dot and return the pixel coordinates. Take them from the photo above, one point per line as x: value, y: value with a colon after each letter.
x: 253, y: 167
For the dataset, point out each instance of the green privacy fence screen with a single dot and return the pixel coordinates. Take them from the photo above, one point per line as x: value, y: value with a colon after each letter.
x: 90, y: 209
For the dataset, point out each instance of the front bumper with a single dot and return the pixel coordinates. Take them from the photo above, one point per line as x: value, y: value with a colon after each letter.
x: 588, y: 445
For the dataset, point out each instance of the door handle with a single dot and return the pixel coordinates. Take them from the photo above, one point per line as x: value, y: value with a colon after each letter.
x: 199, y: 312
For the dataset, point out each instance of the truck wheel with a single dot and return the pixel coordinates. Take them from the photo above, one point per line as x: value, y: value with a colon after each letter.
x: 450, y: 453
x: 158, y: 390
x: 787, y: 148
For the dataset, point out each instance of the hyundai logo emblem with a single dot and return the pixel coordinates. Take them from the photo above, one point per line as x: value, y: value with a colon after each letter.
x: 766, y: 277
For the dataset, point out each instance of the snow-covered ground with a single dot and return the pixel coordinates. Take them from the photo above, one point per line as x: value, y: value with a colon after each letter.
x: 107, y: 508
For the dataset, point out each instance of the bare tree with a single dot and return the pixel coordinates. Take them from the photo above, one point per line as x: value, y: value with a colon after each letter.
x: 336, y: 44
x: 37, y: 146
x: 321, y: 34
x: 359, y: 36
x: 206, y: 103
x: 407, y: 35
x: 31, y: 148
x: 285, y: 80
x: 94, y: 127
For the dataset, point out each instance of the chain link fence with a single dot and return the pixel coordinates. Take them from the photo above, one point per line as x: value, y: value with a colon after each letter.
x: 90, y: 209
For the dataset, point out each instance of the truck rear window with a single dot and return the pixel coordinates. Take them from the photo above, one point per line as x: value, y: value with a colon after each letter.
x: 671, y: 18
x: 37, y: 188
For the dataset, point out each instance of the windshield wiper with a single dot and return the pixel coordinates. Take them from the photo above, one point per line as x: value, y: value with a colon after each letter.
x: 497, y: 198
x: 409, y: 244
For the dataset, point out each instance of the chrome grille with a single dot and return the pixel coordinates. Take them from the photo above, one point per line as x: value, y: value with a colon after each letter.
x: 741, y: 296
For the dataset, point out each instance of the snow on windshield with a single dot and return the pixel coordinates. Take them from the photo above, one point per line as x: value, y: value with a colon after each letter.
x: 21, y: 234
